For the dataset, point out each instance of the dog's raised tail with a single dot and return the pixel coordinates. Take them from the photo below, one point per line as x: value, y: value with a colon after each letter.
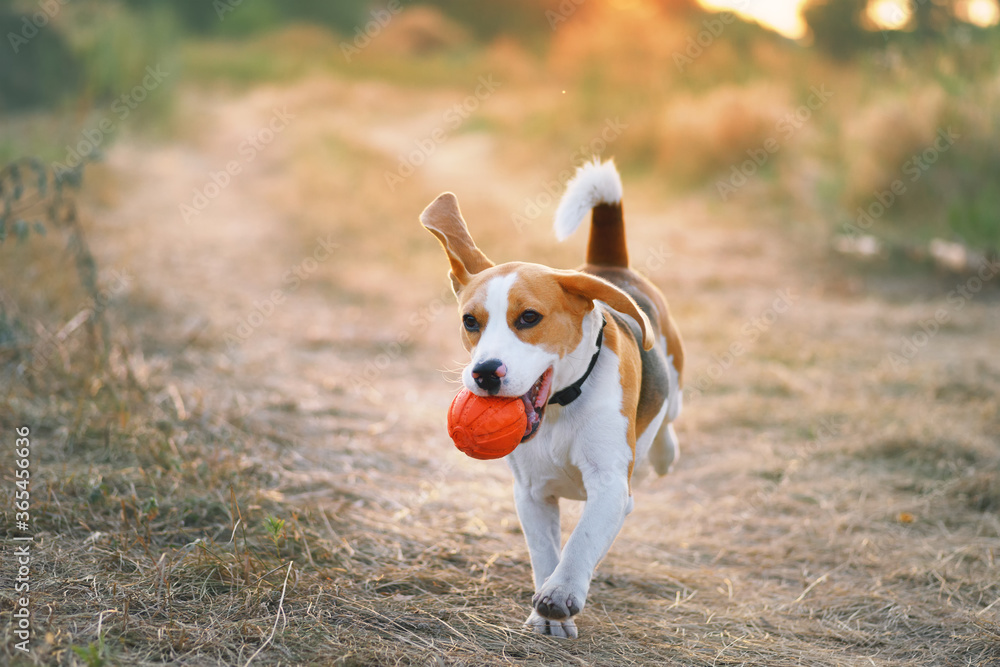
x: 596, y: 187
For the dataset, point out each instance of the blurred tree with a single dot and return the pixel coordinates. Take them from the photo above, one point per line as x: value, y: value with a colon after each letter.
x: 197, y: 15
x: 342, y: 15
x: 521, y: 18
x: 524, y: 19
x: 836, y: 27
x: 527, y: 20
x: 932, y: 18
x: 841, y: 28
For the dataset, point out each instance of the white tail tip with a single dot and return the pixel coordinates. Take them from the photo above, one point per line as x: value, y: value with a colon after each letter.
x: 595, y: 183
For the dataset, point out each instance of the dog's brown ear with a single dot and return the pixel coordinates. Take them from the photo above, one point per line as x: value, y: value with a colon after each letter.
x: 443, y: 219
x: 597, y: 289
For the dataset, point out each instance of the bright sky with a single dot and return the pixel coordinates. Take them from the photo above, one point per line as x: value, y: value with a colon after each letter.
x: 784, y: 17
x: 780, y: 15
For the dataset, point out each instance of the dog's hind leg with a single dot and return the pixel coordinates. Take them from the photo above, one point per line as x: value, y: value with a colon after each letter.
x: 665, y: 451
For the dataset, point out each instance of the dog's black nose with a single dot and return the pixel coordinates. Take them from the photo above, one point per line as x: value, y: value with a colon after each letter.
x: 487, y: 375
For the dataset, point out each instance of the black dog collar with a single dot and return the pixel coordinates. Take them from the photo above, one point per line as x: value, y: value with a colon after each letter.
x: 572, y: 392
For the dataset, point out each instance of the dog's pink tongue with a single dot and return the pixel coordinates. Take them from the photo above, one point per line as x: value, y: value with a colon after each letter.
x: 543, y: 391
x: 529, y: 411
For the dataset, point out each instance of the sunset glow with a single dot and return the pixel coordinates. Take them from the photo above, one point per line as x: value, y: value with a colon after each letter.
x: 890, y: 14
x: 983, y: 13
x: 782, y: 16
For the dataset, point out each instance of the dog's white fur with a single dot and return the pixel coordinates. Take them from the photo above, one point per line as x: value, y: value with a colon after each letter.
x: 578, y: 452
x: 595, y: 183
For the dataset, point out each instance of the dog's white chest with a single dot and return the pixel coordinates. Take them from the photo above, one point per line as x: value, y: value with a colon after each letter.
x: 544, y: 466
x: 582, y: 439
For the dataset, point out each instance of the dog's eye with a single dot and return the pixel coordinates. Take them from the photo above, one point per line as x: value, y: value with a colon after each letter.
x: 528, y: 319
x: 471, y: 323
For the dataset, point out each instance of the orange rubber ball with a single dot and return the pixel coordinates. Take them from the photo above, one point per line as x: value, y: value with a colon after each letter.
x: 486, y: 427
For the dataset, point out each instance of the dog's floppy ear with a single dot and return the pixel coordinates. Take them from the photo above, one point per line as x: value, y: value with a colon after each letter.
x: 443, y: 219
x: 597, y: 289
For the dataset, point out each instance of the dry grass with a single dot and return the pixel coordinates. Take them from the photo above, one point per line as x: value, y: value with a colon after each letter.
x: 704, y: 135
x: 881, y: 139
x: 288, y: 502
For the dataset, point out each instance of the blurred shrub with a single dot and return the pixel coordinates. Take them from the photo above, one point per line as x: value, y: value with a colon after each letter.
x: 419, y: 31
x: 924, y: 163
x: 39, y: 71
x: 195, y: 15
x: 248, y: 18
x: 527, y: 19
x: 244, y: 17
x: 623, y: 48
x: 278, y: 55
x: 700, y: 136
x: 115, y: 46
x: 974, y: 217
x: 966, y: 185
x: 343, y: 15
x: 879, y: 139
x: 94, y: 50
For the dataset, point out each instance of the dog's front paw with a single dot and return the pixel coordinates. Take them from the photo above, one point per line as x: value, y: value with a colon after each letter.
x: 558, y: 602
x: 565, y: 628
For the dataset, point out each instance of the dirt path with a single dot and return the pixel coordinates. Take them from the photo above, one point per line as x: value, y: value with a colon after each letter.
x: 252, y: 311
x: 824, y: 500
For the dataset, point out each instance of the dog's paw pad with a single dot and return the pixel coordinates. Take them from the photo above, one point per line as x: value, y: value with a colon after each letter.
x: 556, y: 605
x: 545, y: 626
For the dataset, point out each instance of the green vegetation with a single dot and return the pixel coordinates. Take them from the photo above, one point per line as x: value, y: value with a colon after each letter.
x: 697, y: 110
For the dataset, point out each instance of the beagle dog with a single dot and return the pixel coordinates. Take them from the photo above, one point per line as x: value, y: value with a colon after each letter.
x: 596, y: 358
